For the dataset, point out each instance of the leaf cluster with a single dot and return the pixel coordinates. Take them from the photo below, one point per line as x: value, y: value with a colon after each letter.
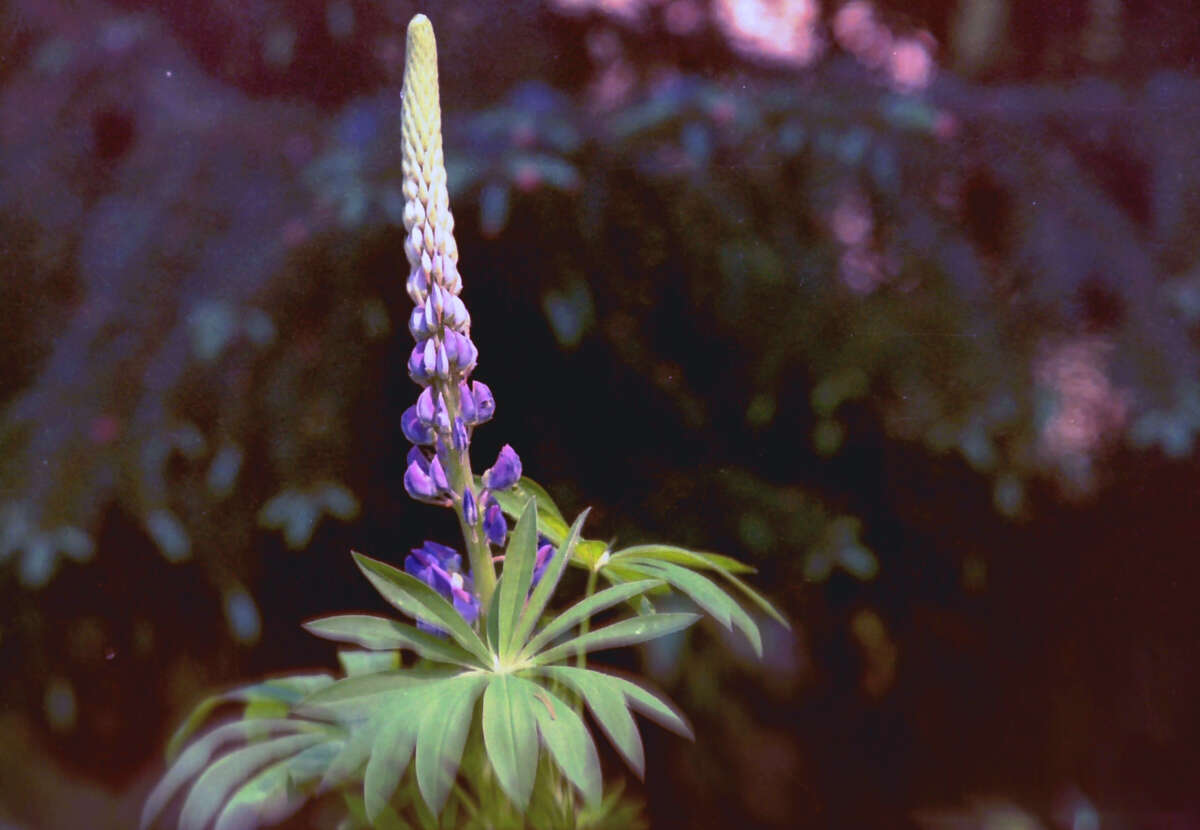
x: 504, y: 702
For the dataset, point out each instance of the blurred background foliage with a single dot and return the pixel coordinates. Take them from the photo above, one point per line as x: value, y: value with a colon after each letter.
x: 895, y: 300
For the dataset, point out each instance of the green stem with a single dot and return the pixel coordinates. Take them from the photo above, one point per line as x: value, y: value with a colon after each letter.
x: 460, y: 476
x: 585, y: 626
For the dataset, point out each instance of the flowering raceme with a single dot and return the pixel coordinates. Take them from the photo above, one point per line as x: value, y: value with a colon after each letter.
x: 500, y: 657
x: 450, y: 405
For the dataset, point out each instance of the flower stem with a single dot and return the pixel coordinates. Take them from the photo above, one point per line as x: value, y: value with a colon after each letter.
x: 585, y: 626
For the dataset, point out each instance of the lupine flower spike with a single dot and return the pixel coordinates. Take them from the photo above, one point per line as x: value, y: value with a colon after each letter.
x: 450, y: 405
x: 524, y: 679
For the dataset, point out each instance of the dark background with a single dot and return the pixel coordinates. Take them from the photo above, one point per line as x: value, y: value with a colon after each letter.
x: 895, y: 301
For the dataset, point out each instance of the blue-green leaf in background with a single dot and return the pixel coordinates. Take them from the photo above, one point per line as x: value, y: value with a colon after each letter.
x: 281, y: 691
x: 272, y: 795
x: 392, y: 748
x: 213, y: 787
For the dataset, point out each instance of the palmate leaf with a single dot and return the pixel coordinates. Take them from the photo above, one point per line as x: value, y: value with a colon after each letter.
x: 644, y: 701
x: 513, y: 587
x: 395, y: 736
x: 708, y: 596
x: 547, y: 585
x: 353, y: 698
x: 607, y: 703
x: 583, y: 610
x: 415, y: 598
x: 683, y: 556
x: 621, y: 562
x: 565, y: 737
x: 510, y: 737
x: 272, y: 795
x: 444, y: 724
x: 196, y: 757
x: 281, y: 693
x: 624, y: 633
x: 381, y: 633
x: 213, y: 787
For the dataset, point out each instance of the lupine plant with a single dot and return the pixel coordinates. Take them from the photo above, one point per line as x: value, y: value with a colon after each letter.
x: 483, y: 724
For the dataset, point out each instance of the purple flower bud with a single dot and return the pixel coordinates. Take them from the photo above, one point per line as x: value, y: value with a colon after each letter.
x: 416, y: 365
x: 418, y: 284
x: 459, y: 436
x: 438, y: 475
x: 450, y: 276
x: 442, y: 361
x: 420, y: 485
x: 425, y: 405
x: 465, y: 354
x: 544, y: 553
x: 485, y: 405
x: 426, y: 263
x: 415, y: 454
x: 505, y: 472
x: 441, y: 416
x: 430, y: 356
x: 470, y: 511
x: 416, y: 324
x: 457, y: 316
x: 431, y: 316
x: 494, y: 524
x: 466, y: 403
x: 412, y: 427
x: 438, y: 297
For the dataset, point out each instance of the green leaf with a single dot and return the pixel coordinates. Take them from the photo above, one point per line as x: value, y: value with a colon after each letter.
x: 414, y: 597
x: 567, y: 739
x: 650, y: 705
x: 272, y: 796
x: 383, y: 634
x: 606, y: 700
x: 623, y: 633
x: 391, y: 750
x: 282, y: 690
x: 442, y: 734
x: 511, y: 738
x: 547, y: 585
x: 513, y: 501
x: 352, y: 697
x: 684, y: 556
x: 759, y: 600
x: 514, y: 583
x: 356, y: 661
x: 352, y: 756
x: 214, y: 786
x: 195, y: 758
x: 357, y: 810
x: 703, y: 561
x: 708, y: 596
x: 585, y: 608
x: 588, y: 553
x: 493, y: 624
